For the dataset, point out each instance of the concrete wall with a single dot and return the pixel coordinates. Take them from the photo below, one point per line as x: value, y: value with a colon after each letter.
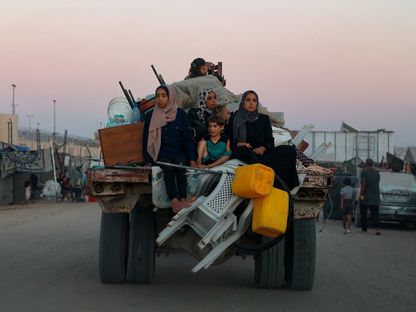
x: 6, y: 190
x: 4, y: 119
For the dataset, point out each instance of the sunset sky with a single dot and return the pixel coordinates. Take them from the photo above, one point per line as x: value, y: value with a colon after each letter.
x: 320, y: 62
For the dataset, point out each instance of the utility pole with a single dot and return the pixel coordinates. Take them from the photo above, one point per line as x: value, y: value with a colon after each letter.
x: 13, y: 105
x: 54, y: 120
x: 30, y: 128
x: 30, y: 120
x: 38, y: 144
x: 10, y: 131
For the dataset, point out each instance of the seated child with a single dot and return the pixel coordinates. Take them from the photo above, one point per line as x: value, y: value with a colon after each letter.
x: 214, y: 149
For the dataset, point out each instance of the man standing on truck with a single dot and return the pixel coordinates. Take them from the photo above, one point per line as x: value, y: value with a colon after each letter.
x: 370, y: 195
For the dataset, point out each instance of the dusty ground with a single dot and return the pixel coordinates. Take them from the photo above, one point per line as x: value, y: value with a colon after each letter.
x: 49, y: 262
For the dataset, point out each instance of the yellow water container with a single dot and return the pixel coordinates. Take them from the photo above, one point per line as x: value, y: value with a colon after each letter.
x: 270, y: 213
x: 253, y: 181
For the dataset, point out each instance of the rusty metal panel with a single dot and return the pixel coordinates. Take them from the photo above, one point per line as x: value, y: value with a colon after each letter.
x: 316, y: 181
x: 307, y: 210
x: 104, y: 189
x: 124, y: 203
x: 134, y: 175
x: 311, y: 194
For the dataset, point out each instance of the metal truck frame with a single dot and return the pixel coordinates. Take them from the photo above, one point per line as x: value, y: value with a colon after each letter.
x: 130, y: 224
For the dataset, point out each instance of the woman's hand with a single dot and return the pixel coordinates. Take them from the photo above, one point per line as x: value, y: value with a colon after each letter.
x: 244, y: 144
x: 259, y: 150
x: 193, y: 163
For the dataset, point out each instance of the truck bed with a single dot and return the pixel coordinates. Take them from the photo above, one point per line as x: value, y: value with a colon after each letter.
x: 118, y: 189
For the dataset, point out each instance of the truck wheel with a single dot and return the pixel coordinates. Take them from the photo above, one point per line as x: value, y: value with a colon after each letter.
x: 269, y: 266
x: 300, y: 255
x: 113, y: 247
x: 141, y: 263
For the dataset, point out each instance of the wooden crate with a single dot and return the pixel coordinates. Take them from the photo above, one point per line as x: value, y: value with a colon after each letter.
x: 123, y: 144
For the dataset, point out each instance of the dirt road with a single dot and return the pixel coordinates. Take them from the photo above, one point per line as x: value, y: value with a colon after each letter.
x: 49, y: 262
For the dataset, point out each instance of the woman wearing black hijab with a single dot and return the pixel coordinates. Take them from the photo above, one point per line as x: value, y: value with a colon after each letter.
x: 254, y: 143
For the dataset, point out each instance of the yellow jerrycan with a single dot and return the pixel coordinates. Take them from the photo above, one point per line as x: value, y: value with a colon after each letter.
x: 253, y: 181
x: 270, y: 213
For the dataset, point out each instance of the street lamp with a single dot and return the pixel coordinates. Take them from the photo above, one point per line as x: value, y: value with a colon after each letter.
x: 13, y: 105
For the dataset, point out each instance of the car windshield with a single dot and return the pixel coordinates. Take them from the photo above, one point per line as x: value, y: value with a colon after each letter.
x: 391, y: 181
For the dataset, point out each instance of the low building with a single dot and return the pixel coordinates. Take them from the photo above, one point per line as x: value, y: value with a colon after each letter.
x: 349, y: 143
x: 9, y: 124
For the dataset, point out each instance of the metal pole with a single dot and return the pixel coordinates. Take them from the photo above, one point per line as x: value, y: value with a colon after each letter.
x: 356, y: 155
x: 30, y: 129
x: 10, y: 131
x: 54, y: 120
x: 30, y: 121
x: 54, y: 172
x: 13, y: 105
x: 188, y: 167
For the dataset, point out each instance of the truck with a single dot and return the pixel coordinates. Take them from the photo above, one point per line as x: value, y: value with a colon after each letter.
x: 137, y: 223
x: 134, y: 230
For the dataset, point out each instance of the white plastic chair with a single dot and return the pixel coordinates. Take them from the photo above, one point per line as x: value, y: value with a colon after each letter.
x: 211, y: 217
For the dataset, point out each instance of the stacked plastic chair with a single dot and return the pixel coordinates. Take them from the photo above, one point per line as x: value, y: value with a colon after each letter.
x: 212, y: 217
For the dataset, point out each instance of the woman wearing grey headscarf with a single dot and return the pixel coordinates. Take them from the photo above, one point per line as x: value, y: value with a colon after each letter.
x: 198, y: 116
x: 254, y: 143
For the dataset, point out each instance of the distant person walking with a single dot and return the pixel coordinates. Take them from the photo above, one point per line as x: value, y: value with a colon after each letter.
x: 347, y: 204
x: 28, y: 191
x: 34, y: 185
x: 370, y: 195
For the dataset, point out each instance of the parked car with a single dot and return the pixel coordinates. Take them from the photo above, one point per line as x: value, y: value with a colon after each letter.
x: 397, y: 198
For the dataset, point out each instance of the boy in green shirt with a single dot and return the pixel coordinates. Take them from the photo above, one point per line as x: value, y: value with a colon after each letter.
x: 214, y: 149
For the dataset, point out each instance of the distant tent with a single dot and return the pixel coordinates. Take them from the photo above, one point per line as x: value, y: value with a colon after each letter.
x: 411, y: 155
x: 394, y: 163
x: 13, y: 148
x: 400, y: 152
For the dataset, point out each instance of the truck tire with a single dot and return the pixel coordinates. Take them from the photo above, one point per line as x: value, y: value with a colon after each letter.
x: 141, y: 262
x: 269, y: 266
x: 113, y: 247
x: 300, y: 257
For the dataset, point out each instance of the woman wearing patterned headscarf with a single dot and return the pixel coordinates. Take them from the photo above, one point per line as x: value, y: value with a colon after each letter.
x: 167, y: 137
x: 198, y: 116
x: 254, y: 143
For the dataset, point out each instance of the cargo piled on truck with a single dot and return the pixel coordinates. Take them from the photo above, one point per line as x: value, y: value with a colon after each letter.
x: 137, y: 223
